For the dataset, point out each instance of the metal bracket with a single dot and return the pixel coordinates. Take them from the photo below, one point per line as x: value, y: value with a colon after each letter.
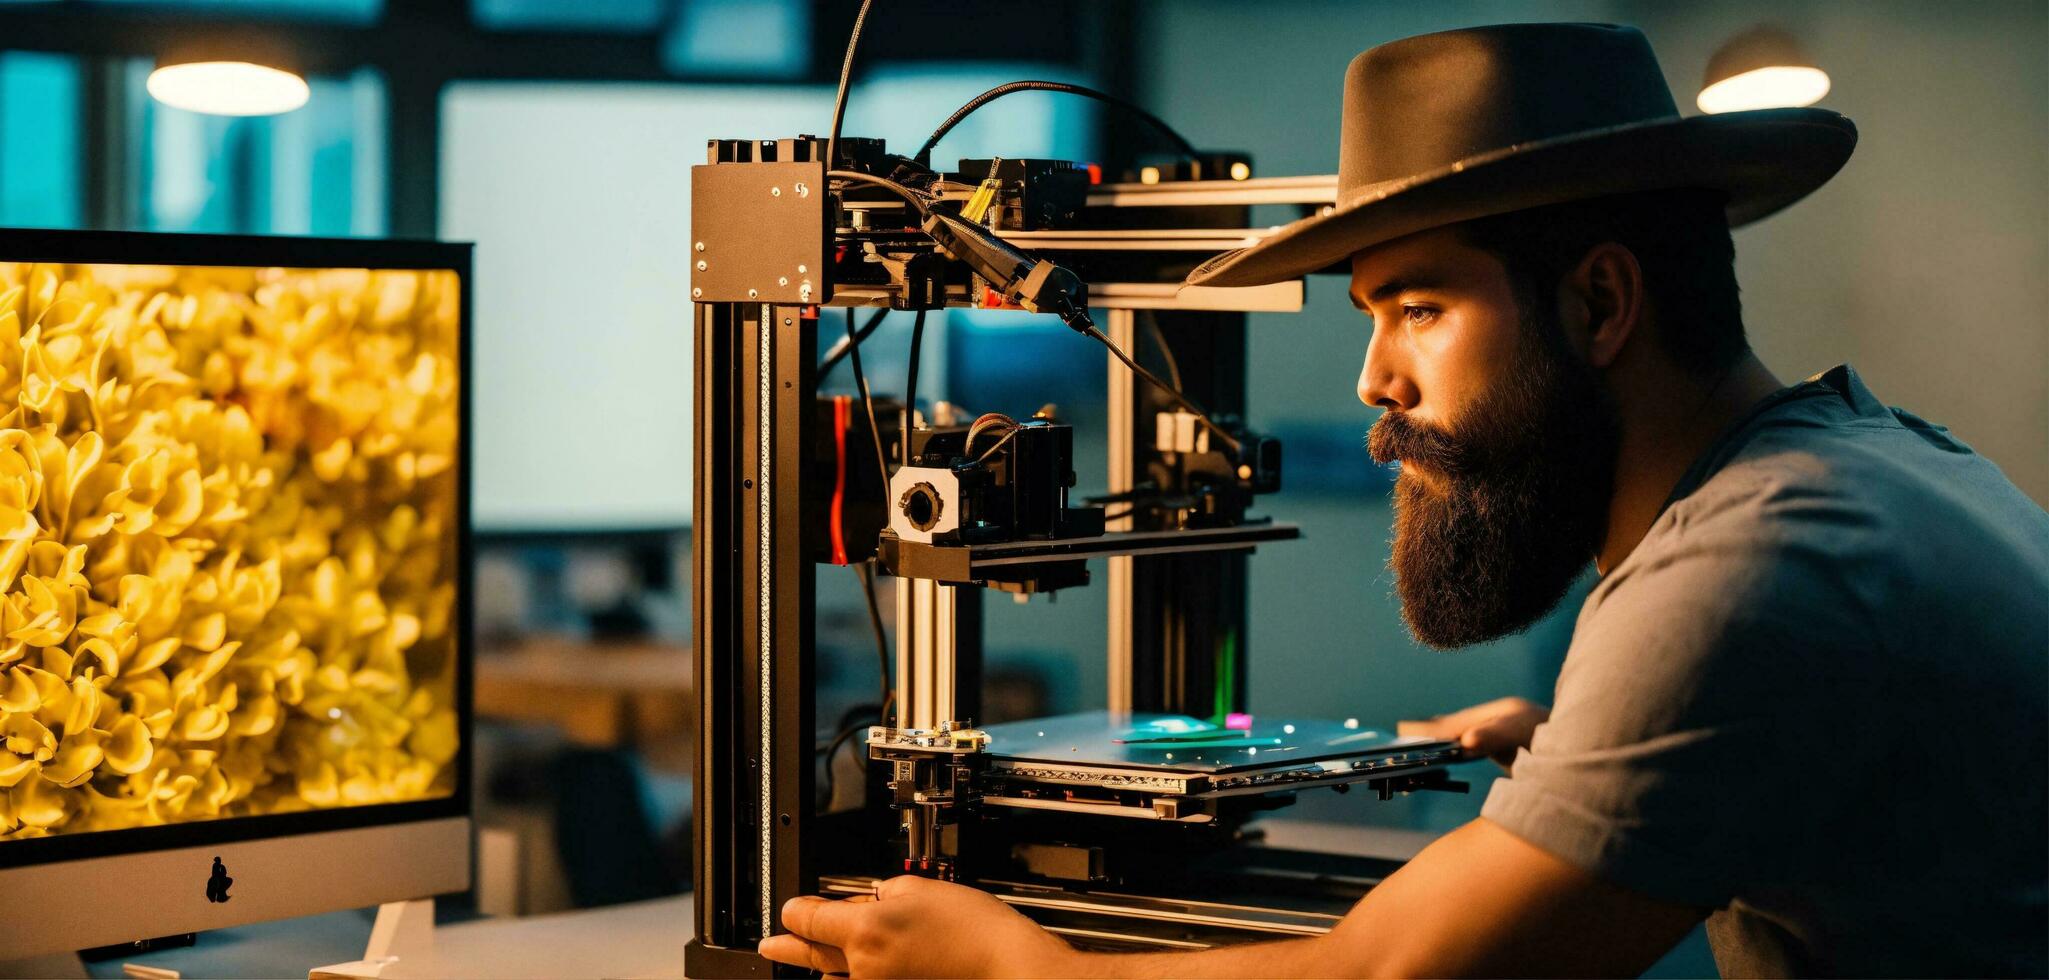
x: 760, y: 233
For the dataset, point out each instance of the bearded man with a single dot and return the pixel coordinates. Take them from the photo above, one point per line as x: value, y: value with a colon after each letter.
x: 1806, y: 700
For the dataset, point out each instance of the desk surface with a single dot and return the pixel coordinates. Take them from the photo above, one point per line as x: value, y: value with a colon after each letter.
x: 641, y: 939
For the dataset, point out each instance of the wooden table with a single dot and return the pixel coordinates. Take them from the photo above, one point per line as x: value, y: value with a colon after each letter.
x: 601, y: 695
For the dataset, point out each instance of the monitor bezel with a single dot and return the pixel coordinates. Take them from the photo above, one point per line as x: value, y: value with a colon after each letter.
x: 287, y: 252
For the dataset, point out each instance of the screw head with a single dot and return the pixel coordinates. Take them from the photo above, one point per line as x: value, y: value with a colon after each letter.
x: 702, y: 265
x: 751, y: 294
x: 803, y: 189
x: 695, y: 292
x: 802, y: 270
x: 700, y: 246
x: 782, y: 280
x: 775, y: 192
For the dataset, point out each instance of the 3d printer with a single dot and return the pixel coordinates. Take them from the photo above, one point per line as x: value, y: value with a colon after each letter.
x: 1119, y: 828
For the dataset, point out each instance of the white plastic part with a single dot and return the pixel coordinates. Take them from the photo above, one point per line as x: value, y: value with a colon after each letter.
x: 938, y: 493
x: 1178, y: 432
x: 403, y: 931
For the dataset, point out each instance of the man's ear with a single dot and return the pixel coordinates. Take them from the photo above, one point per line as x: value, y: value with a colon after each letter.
x: 1605, y: 295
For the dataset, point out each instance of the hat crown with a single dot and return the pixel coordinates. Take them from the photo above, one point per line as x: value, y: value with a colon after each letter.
x: 1421, y: 104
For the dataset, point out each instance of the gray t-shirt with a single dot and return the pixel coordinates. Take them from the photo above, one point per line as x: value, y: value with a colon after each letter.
x: 1813, y: 700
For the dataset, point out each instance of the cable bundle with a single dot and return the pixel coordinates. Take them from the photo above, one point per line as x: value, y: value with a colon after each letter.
x: 988, y: 422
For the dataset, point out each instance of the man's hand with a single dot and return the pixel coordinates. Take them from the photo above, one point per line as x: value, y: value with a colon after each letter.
x: 917, y: 927
x: 1479, y: 902
x: 1495, y: 729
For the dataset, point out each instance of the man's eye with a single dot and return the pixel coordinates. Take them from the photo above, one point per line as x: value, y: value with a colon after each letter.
x: 1417, y: 316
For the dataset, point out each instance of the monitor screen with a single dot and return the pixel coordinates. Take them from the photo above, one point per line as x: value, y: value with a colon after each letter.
x: 230, y: 536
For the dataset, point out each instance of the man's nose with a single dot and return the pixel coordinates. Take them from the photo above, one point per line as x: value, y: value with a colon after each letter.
x: 1381, y: 384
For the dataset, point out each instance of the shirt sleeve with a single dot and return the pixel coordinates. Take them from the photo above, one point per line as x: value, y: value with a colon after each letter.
x: 1714, y: 707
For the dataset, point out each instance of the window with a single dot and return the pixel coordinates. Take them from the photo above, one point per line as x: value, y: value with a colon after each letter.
x: 40, y: 148
x: 628, y: 16
x: 340, y: 11
x: 740, y: 38
x: 318, y: 170
x: 577, y: 197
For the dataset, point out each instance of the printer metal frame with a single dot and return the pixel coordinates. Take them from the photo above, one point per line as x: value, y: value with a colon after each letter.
x: 752, y: 596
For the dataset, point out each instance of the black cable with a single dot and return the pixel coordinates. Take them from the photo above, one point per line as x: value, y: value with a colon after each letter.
x: 839, y: 103
x: 911, y: 385
x: 867, y: 402
x: 866, y: 570
x: 991, y: 451
x: 924, y: 154
x: 826, y: 785
x: 1173, y: 393
x: 1152, y: 326
x: 848, y: 717
x: 910, y: 196
x: 1139, y: 490
x: 839, y: 350
x: 832, y: 748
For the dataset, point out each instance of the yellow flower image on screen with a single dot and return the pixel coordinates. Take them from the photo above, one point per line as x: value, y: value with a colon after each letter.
x: 227, y: 542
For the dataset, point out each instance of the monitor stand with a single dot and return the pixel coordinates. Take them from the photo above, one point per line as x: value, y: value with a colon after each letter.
x: 403, y: 930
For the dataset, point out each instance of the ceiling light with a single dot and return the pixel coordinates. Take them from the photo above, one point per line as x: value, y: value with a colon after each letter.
x: 227, y: 83
x: 1761, y: 68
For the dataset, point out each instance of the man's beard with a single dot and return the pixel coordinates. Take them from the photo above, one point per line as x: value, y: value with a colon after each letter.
x: 1519, y: 500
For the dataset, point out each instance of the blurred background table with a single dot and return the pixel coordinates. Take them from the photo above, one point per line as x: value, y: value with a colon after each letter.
x: 599, y: 694
x: 584, y: 753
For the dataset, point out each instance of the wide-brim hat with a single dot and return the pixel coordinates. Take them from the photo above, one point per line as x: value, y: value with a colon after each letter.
x: 1463, y: 124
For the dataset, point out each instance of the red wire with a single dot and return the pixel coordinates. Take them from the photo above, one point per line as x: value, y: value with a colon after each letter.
x: 842, y: 413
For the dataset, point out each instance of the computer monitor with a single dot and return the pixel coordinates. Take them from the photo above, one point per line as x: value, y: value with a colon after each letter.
x: 234, y: 581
